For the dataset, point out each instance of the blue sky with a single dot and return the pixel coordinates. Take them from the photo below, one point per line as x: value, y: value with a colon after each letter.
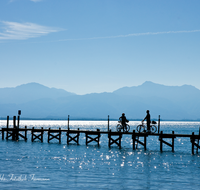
x: 86, y: 46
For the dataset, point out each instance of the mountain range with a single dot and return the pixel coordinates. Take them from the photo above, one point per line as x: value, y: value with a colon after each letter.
x: 40, y: 102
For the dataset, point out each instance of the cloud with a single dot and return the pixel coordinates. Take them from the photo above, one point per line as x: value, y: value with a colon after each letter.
x: 36, y: 0
x: 23, y: 31
x: 135, y: 34
x: 29, y: 0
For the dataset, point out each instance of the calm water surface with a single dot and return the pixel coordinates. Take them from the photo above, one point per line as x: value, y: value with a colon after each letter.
x: 27, y: 165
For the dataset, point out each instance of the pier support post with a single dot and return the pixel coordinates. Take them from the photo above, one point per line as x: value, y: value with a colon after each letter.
x: 25, y: 133
x: 7, y: 122
x: 161, y: 136
x: 73, y: 138
x: 192, y: 141
x: 172, y: 142
x: 32, y: 134
x: 49, y: 134
x: 158, y: 124
x: 195, y: 142
x: 198, y: 142
x: 7, y: 126
x: 90, y: 139
x: 145, y: 142
x: 37, y: 136
x: 42, y: 132
x: 52, y: 136
x: 108, y: 123
x: 17, y: 127
x: 2, y: 134
x: 116, y: 141
x: 68, y: 123
x: 133, y: 137
x: 160, y: 139
x: 14, y: 128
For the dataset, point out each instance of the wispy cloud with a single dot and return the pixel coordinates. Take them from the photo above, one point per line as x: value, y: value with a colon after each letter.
x: 23, y: 31
x: 36, y: 0
x: 28, y: 0
x: 135, y: 34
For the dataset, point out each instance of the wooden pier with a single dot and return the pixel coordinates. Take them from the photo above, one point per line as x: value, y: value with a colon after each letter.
x: 114, y: 138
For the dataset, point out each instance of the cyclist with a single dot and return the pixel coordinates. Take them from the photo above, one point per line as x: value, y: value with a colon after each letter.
x: 123, y: 121
x: 148, y: 119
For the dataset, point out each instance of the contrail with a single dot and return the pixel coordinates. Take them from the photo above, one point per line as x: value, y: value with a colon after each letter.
x: 36, y: 34
x: 134, y: 34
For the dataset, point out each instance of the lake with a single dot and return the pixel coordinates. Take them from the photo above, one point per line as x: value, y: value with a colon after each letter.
x: 35, y: 165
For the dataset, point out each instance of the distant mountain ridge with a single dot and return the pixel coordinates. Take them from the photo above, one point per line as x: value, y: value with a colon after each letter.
x: 29, y: 92
x: 38, y: 101
x: 151, y: 89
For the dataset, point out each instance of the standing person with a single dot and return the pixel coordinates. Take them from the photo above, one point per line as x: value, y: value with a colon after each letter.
x: 148, y: 119
x: 123, y: 120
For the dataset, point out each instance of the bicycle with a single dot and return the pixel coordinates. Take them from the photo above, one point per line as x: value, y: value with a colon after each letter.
x: 125, y: 128
x: 142, y: 128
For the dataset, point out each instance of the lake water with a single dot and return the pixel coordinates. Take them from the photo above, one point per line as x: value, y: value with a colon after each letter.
x: 27, y: 165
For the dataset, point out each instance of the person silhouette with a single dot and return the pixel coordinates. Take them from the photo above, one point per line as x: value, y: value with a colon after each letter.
x: 123, y: 120
x: 148, y: 119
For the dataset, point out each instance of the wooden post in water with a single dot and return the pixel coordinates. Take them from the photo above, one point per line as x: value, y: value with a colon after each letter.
x: 86, y: 136
x: 109, y: 138
x: 49, y: 134
x: 7, y: 122
x: 19, y: 113
x: 68, y: 123
x: 2, y: 134
x: 98, y: 136
x: 17, y: 127
x: 78, y: 137
x: 145, y: 142
x: 192, y: 140
x: 172, y: 142
x: 7, y: 127
x: 59, y: 135
x: 42, y: 132
x: 25, y: 133
x: 32, y: 134
x: 198, y: 141
x: 160, y: 138
x: 108, y: 122
x: 133, y: 137
x: 14, y: 127
x: 158, y: 124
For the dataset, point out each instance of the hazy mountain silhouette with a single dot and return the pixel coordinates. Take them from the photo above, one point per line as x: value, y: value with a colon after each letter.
x: 29, y: 92
x: 38, y: 101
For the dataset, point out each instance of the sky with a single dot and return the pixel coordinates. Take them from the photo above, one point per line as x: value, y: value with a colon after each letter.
x: 93, y: 46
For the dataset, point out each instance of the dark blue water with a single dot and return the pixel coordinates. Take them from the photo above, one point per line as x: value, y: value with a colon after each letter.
x: 27, y: 165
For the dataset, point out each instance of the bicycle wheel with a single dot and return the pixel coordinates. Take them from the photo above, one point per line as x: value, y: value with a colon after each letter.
x: 153, y: 129
x: 118, y: 128
x: 126, y: 128
x: 140, y: 128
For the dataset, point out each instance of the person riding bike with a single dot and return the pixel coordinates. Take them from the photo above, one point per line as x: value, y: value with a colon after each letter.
x: 123, y: 120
